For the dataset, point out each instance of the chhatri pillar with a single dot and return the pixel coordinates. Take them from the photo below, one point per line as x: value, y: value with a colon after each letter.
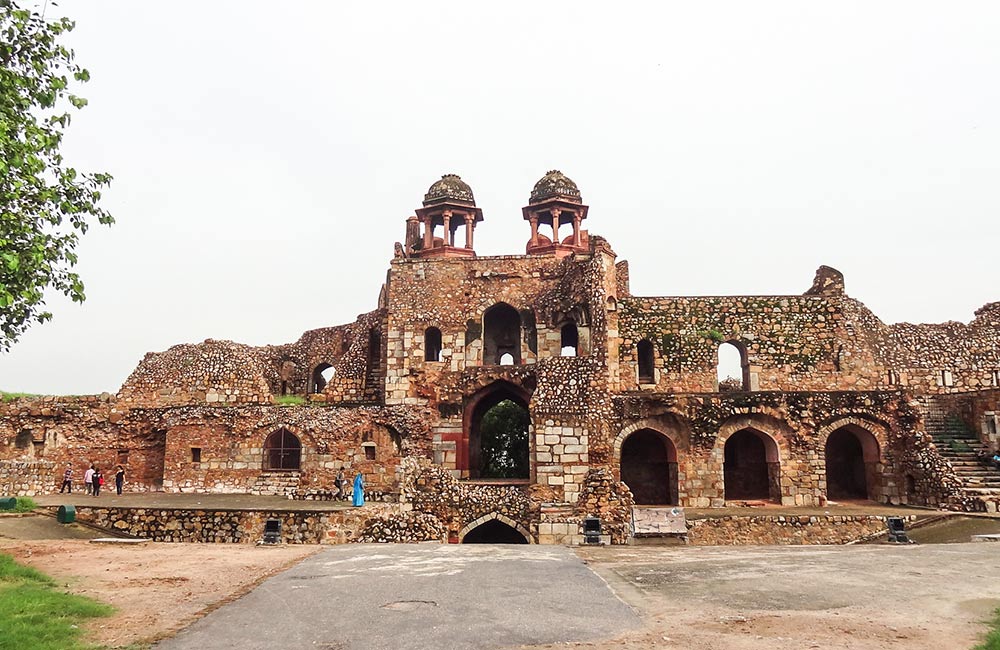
x: 555, y: 201
x: 448, y: 205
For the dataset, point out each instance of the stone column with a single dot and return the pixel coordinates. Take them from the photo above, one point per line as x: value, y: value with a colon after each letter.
x: 576, y: 229
x: 428, y: 232
x: 555, y: 225
x: 470, y: 224
x: 533, y: 220
x: 447, y: 227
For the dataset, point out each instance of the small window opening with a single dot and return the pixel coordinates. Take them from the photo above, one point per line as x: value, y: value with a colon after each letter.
x: 644, y: 350
x: 195, y: 454
x: 122, y: 457
x: 995, y: 378
x: 284, y: 388
x: 432, y: 344
x: 369, y: 448
x: 946, y: 379
x: 507, y: 359
x: 23, y: 439
x: 990, y: 421
x: 892, y: 378
x: 570, y: 340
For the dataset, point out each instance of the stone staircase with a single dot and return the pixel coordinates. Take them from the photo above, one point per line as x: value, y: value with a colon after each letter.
x: 956, y: 443
x: 284, y: 484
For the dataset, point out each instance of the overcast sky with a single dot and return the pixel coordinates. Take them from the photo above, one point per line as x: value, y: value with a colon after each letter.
x: 266, y: 155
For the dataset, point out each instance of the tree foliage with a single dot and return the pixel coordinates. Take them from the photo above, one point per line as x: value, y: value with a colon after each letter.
x: 503, y: 436
x: 45, y: 205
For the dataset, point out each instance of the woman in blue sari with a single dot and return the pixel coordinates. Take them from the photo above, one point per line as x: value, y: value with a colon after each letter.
x: 359, y: 490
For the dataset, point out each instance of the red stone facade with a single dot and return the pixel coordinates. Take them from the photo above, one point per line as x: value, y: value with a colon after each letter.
x: 622, y: 392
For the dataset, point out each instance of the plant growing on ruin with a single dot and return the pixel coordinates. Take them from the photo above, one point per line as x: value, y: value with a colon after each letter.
x: 713, y: 334
x: 45, y: 204
x: 290, y: 400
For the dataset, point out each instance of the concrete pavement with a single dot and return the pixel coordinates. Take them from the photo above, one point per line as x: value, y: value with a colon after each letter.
x: 403, y: 597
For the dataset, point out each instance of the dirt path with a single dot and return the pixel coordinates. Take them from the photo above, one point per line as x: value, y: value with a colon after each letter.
x: 157, y: 588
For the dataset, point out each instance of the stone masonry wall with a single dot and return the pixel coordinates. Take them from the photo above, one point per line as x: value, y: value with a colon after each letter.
x: 25, y: 477
x: 235, y: 526
x: 791, y: 530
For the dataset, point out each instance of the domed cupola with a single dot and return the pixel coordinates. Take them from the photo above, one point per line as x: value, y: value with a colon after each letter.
x: 448, y: 203
x: 555, y: 201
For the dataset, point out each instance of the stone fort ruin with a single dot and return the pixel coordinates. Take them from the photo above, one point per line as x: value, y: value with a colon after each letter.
x: 615, y: 398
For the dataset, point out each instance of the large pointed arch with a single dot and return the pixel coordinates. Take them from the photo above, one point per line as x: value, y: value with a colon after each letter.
x: 469, y: 458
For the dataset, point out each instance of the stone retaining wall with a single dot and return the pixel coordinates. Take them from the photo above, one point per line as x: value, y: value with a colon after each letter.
x: 784, y: 530
x: 235, y: 526
x: 25, y: 477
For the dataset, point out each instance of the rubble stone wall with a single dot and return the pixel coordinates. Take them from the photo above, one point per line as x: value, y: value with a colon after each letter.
x: 25, y: 478
x: 766, y: 530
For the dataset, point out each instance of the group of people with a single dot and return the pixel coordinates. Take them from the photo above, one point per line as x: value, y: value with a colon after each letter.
x: 357, y: 493
x: 93, y: 480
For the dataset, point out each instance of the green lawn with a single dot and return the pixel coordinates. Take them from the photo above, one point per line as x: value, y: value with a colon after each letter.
x: 992, y: 640
x: 36, y: 614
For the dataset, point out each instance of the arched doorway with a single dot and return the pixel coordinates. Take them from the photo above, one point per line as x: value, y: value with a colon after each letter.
x: 851, y: 455
x: 498, y: 427
x: 282, y: 451
x: 501, y: 335
x: 649, y: 467
x: 494, y: 531
x: 751, y: 467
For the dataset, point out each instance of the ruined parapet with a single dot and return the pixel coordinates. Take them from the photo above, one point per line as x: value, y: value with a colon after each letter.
x: 828, y: 282
x: 212, y: 372
x: 621, y: 272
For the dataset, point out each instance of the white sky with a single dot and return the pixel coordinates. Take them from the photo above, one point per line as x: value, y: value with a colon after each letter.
x: 266, y: 155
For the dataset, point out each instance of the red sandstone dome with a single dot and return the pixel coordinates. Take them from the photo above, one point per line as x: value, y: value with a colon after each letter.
x: 451, y: 187
x: 555, y: 184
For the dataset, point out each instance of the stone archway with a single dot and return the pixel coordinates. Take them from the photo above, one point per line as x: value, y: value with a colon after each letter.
x: 851, y: 454
x: 490, y: 448
x: 494, y: 528
x: 751, y: 467
x: 649, y: 467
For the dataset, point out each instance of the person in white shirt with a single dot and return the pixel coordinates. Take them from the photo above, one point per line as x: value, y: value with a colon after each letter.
x: 88, y: 480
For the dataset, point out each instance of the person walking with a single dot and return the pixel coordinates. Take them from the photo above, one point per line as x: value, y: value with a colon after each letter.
x: 119, y: 479
x: 359, y: 490
x: 88, y: 480
x: 67, y: 483
x: 339, y: 484
x: 96, y: 480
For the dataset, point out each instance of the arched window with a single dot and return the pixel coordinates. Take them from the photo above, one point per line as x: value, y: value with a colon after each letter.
x: 282, y: 451
x: 321, y: 376
x: 733, y: 371
x: 501, y: 334
x: 644, y: 350
x: 432, y: 344
x: 570, y: 340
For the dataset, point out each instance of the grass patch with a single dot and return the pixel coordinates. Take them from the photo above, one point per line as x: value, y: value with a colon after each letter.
x: 35, y: 613
x: 992, y: 640
x: 25, y: 504
x: 290, y: 400
x: 10, y: 397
